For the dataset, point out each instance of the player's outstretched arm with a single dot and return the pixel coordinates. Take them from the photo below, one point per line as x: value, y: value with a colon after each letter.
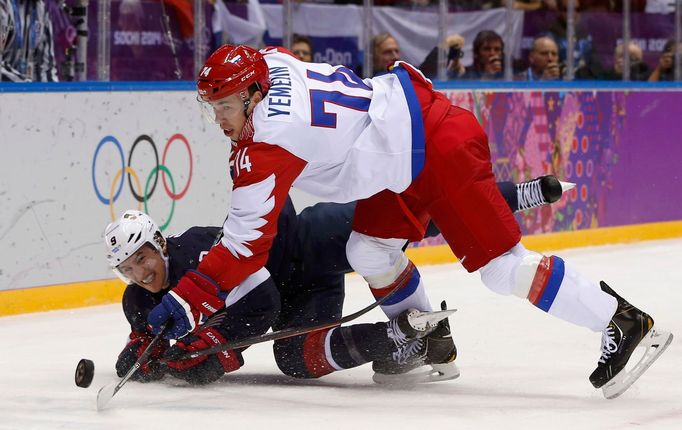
x: 262, y: 179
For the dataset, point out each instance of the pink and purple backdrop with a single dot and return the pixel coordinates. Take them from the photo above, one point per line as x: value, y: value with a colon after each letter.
x: 622, y: 149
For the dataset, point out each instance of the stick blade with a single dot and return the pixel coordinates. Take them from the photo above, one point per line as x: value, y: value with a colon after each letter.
x: 105, y: 394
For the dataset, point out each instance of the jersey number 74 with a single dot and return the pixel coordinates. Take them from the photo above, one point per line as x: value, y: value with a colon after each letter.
x: 319, y: 117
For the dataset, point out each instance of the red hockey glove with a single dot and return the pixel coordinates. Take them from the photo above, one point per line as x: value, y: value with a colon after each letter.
x: 137, y: 343
x: 205, y: 368
x: 195, y: 294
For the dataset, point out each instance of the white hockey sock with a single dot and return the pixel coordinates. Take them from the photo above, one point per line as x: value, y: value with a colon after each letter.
x: 411, y: 294
x: 551, y: 285
x: 385, y: 266
x: 581, y: 302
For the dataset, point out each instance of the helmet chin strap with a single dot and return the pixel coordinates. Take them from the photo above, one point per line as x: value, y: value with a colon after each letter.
x: 247, y: 102
x: 244, y: 95
x: 166, y: 263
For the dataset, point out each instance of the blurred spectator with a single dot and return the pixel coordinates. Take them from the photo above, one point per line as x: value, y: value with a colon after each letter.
x: 454, y: 45
x: 524, y: 5
x: 665, y: 69
x: 302, y: 48
x: 531, y: 5
x: 386, y: 51
x: 488, y: 57
x: 597, y: 5
x: 469, y: 5
x: 660, y: 6
x: 26, y: 43
x: 586, y: 63
x: 639, y: 71
x: 543, y: 60
x: 6, y: 15
x: 613, y: 5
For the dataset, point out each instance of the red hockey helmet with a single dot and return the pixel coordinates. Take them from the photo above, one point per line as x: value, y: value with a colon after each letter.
x: 230, y: 69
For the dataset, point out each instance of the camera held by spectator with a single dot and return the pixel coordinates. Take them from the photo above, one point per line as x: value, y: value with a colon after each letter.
x: 454, y: 68
x: 665, y: 69
x: 639, y: 71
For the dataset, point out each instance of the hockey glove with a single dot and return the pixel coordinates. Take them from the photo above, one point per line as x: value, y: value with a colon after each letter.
x: 205, y: 368
x: 137, y: 343
x: 195, y: 295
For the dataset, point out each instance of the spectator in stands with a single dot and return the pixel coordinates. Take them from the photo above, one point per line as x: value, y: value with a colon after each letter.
x: 454, y: 45
x: 302, y: 48
x: 543, y: 61
x: 585, y: 60
x: 636, y: 6
x: 665, y: 69
x: 531, y: 5
x: 386, y: 51
x: 6, y: 15
x: 26, y: 42
x: 524, y: 5
x: 474, y: 5
x: 488, y: 57
x: 639, y: 71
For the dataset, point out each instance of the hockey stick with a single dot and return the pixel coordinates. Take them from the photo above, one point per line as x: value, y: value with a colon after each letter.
x: 108, y: 391
x: 287, y: 332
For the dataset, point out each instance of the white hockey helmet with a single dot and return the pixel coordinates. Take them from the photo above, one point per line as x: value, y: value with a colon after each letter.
x: 129, y: 233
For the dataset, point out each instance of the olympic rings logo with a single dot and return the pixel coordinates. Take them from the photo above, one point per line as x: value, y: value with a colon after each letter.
x: 142, y: 196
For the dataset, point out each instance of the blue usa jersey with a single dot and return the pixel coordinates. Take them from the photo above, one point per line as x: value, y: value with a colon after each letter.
x: 186, y: 250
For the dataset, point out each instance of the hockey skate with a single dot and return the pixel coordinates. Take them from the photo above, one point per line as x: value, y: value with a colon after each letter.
x: 541, y: 191
x: 630, y: 328
x: 425, y: 349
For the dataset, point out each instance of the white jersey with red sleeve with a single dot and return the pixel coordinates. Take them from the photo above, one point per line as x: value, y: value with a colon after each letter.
x: 262, y: 176
x: 357, y: 136
x: 324, y: 130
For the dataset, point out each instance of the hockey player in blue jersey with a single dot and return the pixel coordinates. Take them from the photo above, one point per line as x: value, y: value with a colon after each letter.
x: 305, y: 286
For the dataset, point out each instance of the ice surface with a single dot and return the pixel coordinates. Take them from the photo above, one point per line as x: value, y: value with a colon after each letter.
x: 520, y: 367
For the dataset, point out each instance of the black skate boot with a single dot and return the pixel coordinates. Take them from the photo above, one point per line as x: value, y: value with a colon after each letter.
x: 628, y: 329
x: 541, y: 191
x: 421, y: 338
x: 441, y: 351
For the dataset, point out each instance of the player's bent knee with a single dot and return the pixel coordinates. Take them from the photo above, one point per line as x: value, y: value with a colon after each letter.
x: 526, y: 274
x: 498, y: 274
x: 289, y: 358
x: 377, y: 260
x: 539, y: 279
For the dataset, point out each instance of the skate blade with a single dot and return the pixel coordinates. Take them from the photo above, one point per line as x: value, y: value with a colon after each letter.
x: 424, y: 374
x: 655, y: 343
x: 429, y: 320
x: 566, y: 186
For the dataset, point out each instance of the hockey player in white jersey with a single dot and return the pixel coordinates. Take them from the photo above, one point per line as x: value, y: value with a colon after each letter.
x: 409, y: 157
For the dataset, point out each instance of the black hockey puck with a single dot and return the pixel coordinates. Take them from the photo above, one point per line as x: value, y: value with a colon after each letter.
x: 85, y: 371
